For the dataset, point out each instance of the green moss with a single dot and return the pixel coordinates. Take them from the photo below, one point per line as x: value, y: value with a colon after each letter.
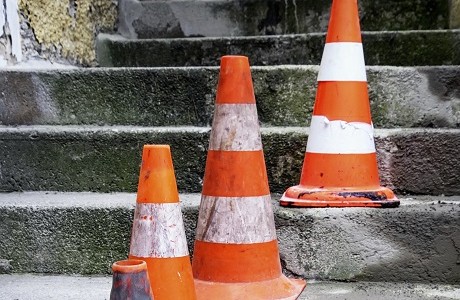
x: 412, y: 48
x: 283, y: 97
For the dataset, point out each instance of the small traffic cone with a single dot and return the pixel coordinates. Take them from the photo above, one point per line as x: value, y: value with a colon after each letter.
x: 340, y: 166
x: 236, y: 252
x: 158, y: 235
x: 130, y: 281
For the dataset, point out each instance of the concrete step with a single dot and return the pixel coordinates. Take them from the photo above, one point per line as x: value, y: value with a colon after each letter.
x: 83, y: 233
x: 400, y: 96
x: 154, y: 18
x: 107, y: 159
x: 46, y: 287
x: 395, y: 48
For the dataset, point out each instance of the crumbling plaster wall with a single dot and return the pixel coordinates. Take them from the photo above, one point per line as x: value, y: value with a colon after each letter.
x: 10, y: 38
x: 61, y: 31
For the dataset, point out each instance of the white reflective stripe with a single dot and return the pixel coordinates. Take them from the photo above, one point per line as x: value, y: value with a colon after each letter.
x: 236, y: 220
x: 235, y: 128
x: 340, y: 137
x: 342, y: 62
x: 158, y: 231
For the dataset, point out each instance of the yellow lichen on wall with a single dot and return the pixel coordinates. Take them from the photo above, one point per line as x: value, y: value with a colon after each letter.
x: 455, y: 14
x: 70, y: 26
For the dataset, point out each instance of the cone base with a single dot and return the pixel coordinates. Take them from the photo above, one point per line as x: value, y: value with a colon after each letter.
x: 280, y: 288
x: 301, y: 196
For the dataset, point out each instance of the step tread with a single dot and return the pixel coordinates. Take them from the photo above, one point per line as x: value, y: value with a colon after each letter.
x: 122, y: 39
x: 85, y: 129
x: 47, y: 287
x: 54, y: 287
x: 49, y: 199
x: 106, y: 159
x: 402, y: 48
x: 65, y: 233
x: 399, y: 96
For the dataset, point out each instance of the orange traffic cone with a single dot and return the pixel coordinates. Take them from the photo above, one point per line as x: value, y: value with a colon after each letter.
x: 158, y: 235
x: 236, y: 252
x: 130, y: 281
x: 340, y: 166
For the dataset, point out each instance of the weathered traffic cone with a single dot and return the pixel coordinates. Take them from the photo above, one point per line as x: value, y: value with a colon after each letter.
x: 236, y: 252
x: 340, y: 166
x: 158, y: 235
x: 130, y: 281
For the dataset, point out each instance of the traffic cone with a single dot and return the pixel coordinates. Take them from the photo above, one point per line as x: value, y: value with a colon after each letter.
x: 340, y: 166
x: 130, y: 281
x: 158, y: 235
x: 236, y: 252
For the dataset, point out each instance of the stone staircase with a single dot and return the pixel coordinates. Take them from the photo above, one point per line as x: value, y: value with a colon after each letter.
x: 71, y: 138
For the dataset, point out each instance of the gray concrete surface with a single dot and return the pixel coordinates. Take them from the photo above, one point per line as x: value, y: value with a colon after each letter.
x: 400, y: 96
x: 147, y: 18
x: 107, y: 158
x: 46, y: 287
x: 83, y: 233
x: 397, y: 48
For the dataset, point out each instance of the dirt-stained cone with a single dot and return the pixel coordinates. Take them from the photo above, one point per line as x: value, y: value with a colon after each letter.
x: 158, y: 235
x: 236, y: 251
x: 340, y: 165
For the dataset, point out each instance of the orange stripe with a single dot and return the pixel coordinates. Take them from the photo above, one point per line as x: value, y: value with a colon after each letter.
x: 344, y: 22
x: 236, y: 262
x: 235, y: 174
x: 170, y: 278
x: 157, y: 182
x: 343, y: 100
x: 340, y: 170
x: 235, y: 81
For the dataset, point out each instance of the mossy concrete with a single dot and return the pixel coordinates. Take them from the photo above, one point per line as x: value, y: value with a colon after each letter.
x: 400, y: 97
x: 146, y: 19
x: 394, y: 48
x: 107, y: 159
x: 85, y: 233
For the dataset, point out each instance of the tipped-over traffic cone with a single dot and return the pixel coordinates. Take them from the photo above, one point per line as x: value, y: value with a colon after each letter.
x: 340, y: 166
x: 130, y: 281
x: 158, y: 235
x: 236, y: 252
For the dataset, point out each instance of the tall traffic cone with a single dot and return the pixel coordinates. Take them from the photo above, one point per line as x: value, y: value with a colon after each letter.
x: 158, y: 235
x: 130, y: 281
x: 340, y: 166
x: 236, y: 252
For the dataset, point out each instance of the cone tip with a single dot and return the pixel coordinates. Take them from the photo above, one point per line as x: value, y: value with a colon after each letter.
x: 344, y: 22
x: 234, y: 64
x: 234, y: 58
x: 157, y: 147
x: 235, y: 81
x: 157, y: 182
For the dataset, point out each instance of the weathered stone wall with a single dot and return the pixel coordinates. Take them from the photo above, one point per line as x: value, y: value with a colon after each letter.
x: 60, y: 31
x: 178, y: 18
